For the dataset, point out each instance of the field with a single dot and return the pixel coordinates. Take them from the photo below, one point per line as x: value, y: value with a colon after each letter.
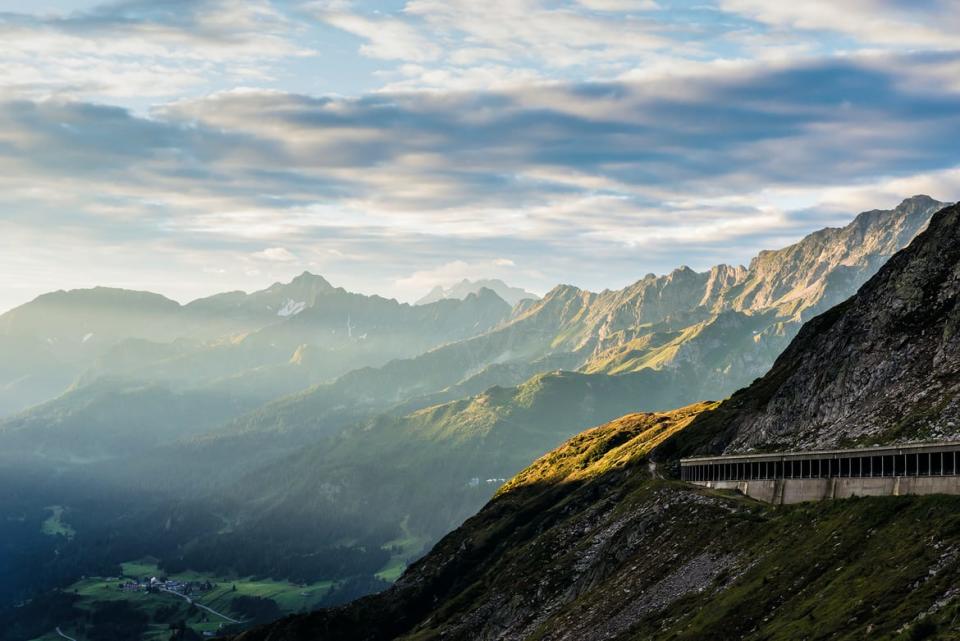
x: 164, y: 608
x: 55, y: 525
x: 404, y: 550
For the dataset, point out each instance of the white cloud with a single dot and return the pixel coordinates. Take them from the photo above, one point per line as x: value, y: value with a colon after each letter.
x: 500, y: 42
x: 276, y: 254
x: 619, y: 5
x: 386, y: 38
x: 134, y: 49
x: 887, y: 22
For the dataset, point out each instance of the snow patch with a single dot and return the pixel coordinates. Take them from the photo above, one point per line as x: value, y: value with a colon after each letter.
x: 291, y: 308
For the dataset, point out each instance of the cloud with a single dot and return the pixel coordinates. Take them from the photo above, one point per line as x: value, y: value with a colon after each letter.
x: 137, y: 48
x: 928, y: 24
x: 710, y: 167
x: 386, y: 38
x: 471, y: 163
x: 276, y: 254
x: 471, y: 42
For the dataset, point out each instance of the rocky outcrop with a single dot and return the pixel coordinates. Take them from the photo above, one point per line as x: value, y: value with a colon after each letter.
x: 881, y: 367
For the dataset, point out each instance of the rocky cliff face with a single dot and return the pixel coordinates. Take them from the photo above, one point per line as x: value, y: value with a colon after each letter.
x: 783, y: 287
x: 881, y: 367
x: 799, y: 277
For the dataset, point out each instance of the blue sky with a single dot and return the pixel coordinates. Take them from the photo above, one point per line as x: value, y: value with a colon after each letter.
x: 195, y: 146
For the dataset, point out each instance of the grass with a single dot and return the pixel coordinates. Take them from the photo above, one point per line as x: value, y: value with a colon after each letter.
x: 289, y: 597
x: 850, y: 569
x: 406, y: 548
x: 54, y: 525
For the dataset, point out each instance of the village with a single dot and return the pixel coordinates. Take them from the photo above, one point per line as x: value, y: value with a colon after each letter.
x: 154, y: 584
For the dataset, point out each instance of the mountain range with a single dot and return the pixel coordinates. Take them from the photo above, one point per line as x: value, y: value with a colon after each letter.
x: 597, y: 539
x: 465, y: 287
x: 237, y: 350
x: 303, y: 424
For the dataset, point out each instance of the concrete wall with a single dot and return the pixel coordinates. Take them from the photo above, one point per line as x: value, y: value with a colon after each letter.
x: 787, y: 491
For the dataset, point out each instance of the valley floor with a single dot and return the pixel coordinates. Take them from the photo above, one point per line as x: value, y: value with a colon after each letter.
x: 206, y: 612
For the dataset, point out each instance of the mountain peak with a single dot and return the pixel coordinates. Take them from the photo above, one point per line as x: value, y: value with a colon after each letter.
x: 917, y: 202
x: 465, y: 287
x: 307, y: 278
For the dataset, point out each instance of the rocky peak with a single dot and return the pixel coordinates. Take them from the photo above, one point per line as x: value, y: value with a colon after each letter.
x: 799, y: 275
x: 314, y: 281
x: 720, y: 279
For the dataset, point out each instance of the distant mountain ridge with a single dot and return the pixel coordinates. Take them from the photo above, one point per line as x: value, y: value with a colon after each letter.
x: 465, y: 287
x: 83, y: 334
x: 714, y: 331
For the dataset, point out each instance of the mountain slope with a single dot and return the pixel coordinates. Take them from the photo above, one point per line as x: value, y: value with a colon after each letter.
x: 880, y: 367
x: 46, y: 343
x: 109, y: 419
x: 587, y: 546
x: 587, y: 543
x: 720, y: 329
x: 428, y: 470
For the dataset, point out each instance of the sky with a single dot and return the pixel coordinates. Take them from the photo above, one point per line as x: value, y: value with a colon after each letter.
x: 196, y: 146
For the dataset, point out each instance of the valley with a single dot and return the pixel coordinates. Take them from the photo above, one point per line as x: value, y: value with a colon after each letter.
x: 151, y: 607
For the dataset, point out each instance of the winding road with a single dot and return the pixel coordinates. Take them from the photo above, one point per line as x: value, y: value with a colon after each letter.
x: 60, y: 632
x: 192, y: 602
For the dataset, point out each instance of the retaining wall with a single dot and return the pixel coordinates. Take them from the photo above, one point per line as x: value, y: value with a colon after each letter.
x: 787, y: 491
